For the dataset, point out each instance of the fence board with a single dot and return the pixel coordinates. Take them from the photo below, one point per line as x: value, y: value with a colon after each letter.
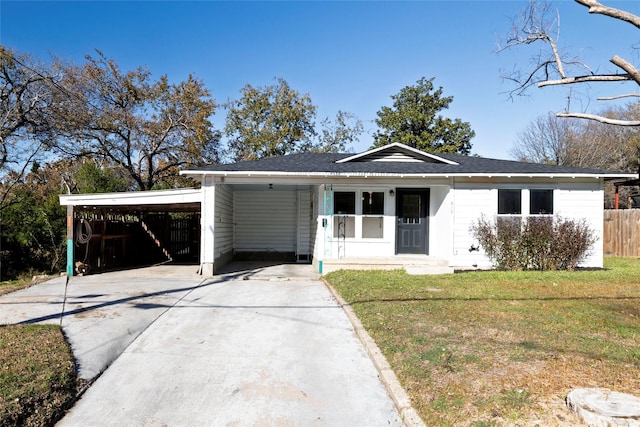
x: 622, y: 232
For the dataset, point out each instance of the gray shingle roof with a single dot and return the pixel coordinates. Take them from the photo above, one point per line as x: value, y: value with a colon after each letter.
x: 466, y: 165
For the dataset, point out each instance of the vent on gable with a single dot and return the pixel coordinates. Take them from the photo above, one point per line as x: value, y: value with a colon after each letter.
x: 392, y: 156
x: 398, y: 153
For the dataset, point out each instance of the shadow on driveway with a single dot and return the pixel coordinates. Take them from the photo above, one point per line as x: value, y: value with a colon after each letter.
x: 103, y: 313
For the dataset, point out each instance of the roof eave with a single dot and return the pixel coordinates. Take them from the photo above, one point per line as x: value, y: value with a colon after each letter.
x: 248, y: 174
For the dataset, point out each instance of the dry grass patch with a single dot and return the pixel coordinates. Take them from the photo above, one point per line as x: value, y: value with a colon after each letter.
x: 22, y: 282
x: 502, y: 348
x: 37, y: 375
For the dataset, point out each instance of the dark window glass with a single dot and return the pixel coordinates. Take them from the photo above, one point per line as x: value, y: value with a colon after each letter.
x: 372, y: 203
x: 344, y: 203
x: 509, y: 202
x: 541, y: 202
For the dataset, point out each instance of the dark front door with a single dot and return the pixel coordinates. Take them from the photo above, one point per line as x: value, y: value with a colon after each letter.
x: 412, y: 215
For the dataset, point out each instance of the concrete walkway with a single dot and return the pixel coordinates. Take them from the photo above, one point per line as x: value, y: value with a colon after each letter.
x: 250, y: 347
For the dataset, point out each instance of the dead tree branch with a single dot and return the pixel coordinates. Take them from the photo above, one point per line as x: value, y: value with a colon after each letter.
x: 601, y: 119
x: 596, y: 7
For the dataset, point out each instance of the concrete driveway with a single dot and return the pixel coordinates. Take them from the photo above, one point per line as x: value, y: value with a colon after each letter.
x: 251, y: 347
x: 103, y: 313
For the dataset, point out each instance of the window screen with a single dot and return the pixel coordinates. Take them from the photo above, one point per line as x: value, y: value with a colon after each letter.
x: 509, y: 202
x: 541, y: 202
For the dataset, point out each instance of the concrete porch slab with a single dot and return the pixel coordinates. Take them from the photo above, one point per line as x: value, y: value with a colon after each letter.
x: 412, y: 264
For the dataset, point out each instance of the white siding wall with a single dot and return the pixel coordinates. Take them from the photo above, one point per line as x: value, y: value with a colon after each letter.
x: 440, y: 222
x: 313, y: 220
x: 470, y: 202
x: 303, y: 246
x: 584, y: 201
x: 572, y: 199
x: 207, y: 225
x: 223, y: 221
x: 265, y: 221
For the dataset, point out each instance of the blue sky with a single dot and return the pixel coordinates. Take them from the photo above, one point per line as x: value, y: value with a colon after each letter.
x: 349, y: 56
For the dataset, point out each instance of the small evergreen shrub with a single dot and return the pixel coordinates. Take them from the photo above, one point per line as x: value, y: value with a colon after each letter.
x: 534, y: 243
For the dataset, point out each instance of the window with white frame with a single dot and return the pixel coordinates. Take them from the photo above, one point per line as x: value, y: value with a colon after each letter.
x: 509, y: 202
x: 372, y: 214
x: 535, y: 202
x: 344, y: 211
x: 541, y: 202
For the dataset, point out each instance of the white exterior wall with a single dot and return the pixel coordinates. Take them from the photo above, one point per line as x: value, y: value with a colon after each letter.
x: 470, y: 201
x: 207, y: 226
x: 304, y: 215
x: 313, y: 220
x: 575, y: 199
x: 329, y: 247
x: 223, y: 222
x: 216, y: 226
x: 265, y: 221
x: 291, y: 220
x: 585, y: 201
x: 440, y: 224
x: 357, y: 246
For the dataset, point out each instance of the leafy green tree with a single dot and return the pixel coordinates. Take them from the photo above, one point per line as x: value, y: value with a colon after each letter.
x: 336, y: 136
x: 33, y: 233
x: 414, y: 120
x: 148, y: 128
x: 269, y: 121
x: 91, y: 178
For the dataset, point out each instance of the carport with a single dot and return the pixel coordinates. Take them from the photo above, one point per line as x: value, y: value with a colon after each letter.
x: 271, y: 221
x: 112, y: 231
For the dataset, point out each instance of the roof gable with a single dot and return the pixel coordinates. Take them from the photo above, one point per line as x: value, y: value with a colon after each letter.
x: 397, y: 152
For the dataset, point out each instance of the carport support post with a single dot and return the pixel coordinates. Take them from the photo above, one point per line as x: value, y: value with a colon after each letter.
x: 70, y: 240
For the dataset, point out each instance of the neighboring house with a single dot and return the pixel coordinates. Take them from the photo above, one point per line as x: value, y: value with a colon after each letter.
x: 380, y: 204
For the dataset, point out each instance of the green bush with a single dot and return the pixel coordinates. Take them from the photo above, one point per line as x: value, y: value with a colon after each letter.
x: 534, y: 243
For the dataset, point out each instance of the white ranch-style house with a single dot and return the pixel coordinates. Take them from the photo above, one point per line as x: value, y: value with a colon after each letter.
x: 380, y: 207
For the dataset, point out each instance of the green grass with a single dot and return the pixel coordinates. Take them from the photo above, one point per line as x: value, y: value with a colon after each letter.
x: 37, y: 375
x: 12, y: 285
x: 24, y: 281
x: 502, y: 348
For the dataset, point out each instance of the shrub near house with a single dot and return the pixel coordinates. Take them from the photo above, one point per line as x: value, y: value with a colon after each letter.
x: 534, y: 243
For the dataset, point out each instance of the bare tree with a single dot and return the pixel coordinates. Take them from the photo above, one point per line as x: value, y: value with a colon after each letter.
x: 547, y: 139
x: 25, y: 93
x: 573, y: 142
x: 540, y: 24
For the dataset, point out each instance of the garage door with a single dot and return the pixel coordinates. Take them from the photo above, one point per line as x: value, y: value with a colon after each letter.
x: 265, y: 221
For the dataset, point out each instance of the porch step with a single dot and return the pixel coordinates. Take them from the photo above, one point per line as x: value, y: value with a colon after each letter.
x: 411, y: 264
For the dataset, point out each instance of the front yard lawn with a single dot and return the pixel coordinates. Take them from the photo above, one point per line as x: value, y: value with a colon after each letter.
x: 492, y: 348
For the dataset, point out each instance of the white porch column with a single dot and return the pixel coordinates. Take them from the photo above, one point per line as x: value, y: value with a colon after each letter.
x: 207, y: 226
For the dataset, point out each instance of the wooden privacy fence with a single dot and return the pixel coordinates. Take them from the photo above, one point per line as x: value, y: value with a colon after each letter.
x: 622, y: 232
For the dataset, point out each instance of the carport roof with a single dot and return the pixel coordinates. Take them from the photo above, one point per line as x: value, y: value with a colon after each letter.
x: 178, y: 200
x: 396, y: 160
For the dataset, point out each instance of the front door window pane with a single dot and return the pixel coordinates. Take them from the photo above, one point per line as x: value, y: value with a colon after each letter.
x: 411, y: 205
